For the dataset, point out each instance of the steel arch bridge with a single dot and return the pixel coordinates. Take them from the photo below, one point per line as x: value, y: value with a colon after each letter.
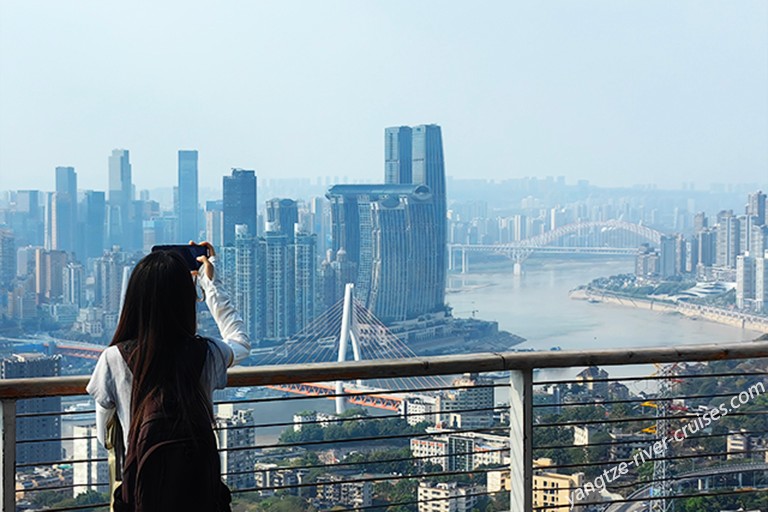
x: 612, y: 237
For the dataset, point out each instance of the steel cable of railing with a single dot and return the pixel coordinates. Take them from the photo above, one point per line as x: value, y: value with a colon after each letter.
x: 634, y: 400
x: 645, y: 483
x: 352, y: 419
x: 644, y: 441
x: 758, y: 491
x: 362, y: 479
x: 650, y: 459
x: 650, y: 377
x: 377, y: 461
x: 361, y: 439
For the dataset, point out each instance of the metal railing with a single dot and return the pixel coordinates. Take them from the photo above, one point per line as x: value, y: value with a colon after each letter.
x: 623, y: 427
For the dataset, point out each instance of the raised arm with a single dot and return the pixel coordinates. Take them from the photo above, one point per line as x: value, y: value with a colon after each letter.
x: 228, y: 319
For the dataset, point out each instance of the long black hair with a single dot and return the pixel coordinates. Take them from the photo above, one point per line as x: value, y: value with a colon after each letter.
x: 157, y: 325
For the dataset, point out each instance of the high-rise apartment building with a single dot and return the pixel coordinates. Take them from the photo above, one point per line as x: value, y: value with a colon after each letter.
x: 120, y: 198
x: 756, y: 207
x: 745, y: 280
x: 282, y: 217
x: 758, y: 240
x: 239, y: 204
x: 93, y: 213
x: 62, y: 217
x: 707, y: 247
x: 187, y: 196
x: 236, y: 432
x: 248, y: 283
x: 91, y: 471
x: 28, y: 222
x: 28, y: 426
x: 667, y: 256
x: 49, y: 275
x: 7, y: 258
x: 728, y: 237
x: 700, y: 222
x: 214, y: 222
x: 305, y: 279
x: 279, y: 292
x: 74, y: 284
x: 761, y: 284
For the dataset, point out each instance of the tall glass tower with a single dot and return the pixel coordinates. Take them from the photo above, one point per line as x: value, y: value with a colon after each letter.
x: 188, y: 198
x: 239, y: 204
x: 63, y: 214
x: 397, y: 155
x: 414, y: 155
x: 120, y: 198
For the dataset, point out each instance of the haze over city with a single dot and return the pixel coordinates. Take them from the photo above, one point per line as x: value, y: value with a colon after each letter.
x: 650, y: 92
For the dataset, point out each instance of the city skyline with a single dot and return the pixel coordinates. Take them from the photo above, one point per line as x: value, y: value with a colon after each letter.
x: 523, y: 93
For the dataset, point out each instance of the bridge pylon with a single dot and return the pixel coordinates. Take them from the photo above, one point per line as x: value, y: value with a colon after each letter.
x: 348, y: 334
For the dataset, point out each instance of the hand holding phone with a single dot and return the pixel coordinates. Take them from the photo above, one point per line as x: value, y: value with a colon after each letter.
x: 189, y: 252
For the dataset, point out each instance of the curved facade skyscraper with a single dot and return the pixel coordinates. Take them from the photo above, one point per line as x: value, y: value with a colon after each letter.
x: 415, y: 155
x: 388, y: 231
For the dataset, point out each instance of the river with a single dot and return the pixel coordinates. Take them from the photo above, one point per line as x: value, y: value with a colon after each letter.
x: 536, y: 306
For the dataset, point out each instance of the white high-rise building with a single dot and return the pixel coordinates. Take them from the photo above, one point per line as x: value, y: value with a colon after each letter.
x: 236, y: 430
x: 761, y: 283
x: 86, y: 475
x: 745, y: 280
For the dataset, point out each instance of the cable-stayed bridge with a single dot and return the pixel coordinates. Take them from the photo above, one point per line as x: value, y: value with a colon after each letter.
x: 612, y: 237
x: 349, y: 329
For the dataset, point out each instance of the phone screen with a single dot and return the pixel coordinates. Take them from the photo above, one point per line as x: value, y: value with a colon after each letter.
x: 188, y: 252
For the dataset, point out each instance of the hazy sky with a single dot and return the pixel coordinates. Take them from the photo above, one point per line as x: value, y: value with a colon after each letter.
x: 616, y: 91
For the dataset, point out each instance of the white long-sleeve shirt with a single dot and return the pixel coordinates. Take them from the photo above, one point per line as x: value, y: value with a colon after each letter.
x: 111, y: 381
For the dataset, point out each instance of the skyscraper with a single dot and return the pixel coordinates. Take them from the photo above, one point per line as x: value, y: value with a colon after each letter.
x: 188, y: 197
x: 248, y: 288
x: 94, y: 209
x: 64, y: 210
x: 728, y: 236
x: 427, y: 167
x: 397, y: 155
x: 745, y: 280
x: 239, y: 204
x: 279, y: 293
x: 120, y: 198
x: 213, y: 222
x: 49, y: 275
x: 389, y: 233
x: 283, y: 215
x: 7, y: 258
x: 756, y: 207
x: 30, y: 427
x: 305, y: 279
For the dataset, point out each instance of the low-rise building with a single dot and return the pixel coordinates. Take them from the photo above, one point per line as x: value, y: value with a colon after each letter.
x: 333, y: 490
x: 551, y: 490
x: 447, y: 496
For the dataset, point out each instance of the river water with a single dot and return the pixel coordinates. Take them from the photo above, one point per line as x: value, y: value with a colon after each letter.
x: 536, y: 306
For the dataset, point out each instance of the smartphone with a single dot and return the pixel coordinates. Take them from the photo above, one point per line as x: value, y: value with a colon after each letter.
x: 188, y: 252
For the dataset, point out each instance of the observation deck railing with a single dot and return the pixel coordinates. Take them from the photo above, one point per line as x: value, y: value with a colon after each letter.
x: 377, y: 461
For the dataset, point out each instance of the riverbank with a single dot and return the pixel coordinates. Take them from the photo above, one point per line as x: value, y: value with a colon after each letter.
x: 692, y: 311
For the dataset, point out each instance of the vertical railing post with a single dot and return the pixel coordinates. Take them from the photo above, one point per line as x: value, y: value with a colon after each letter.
x: 521, y: 440
x: 8, y: 455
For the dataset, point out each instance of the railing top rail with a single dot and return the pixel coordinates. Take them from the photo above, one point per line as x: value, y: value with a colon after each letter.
x: 421, y: 366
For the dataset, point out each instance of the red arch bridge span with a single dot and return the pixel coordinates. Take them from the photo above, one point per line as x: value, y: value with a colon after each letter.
x: 356, y: 395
